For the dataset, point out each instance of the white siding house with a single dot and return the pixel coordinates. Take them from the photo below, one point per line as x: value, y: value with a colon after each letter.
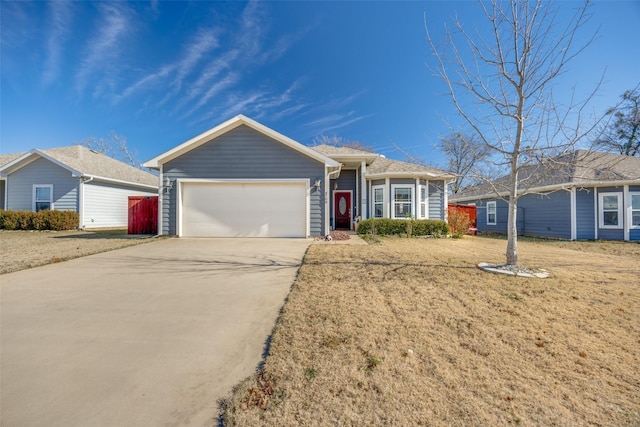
x: 73, y: 178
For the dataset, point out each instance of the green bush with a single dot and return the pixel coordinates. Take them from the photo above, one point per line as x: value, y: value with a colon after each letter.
x: 43, y: 220
x: 398, y: 227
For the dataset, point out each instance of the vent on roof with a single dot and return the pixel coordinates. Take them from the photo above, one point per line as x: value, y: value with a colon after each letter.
x: 383, y: 156
x: 94, y: 151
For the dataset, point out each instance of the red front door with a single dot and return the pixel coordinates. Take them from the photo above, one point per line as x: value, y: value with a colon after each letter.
x: 342, y: 209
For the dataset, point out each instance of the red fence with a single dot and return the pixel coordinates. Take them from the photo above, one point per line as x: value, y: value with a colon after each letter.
x: 143, y: 215
x: 470, y: 211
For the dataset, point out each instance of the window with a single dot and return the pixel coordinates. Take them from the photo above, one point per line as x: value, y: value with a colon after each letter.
x: 491, y: 213
x: 402, y: 202
x: 610, y: 210
x: 42, y: 197
x: 378, y: 202
x: 423, y: 201
x: 635, y: 210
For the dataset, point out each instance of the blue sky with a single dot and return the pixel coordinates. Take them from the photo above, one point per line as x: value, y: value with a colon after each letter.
x: 160, y: 72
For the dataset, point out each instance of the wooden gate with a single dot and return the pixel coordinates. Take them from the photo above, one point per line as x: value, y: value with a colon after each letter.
x: 143, y: 215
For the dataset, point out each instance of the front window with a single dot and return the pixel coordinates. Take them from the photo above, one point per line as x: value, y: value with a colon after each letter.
x: 378, y: 202
x: 42, y: 197
x: 423, y: 201
x: 402, y: 202
x: 635, y: 210
x: 610, y: 210
x: 491, y: 213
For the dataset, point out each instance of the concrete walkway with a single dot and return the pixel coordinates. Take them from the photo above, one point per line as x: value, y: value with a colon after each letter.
x: 150, y: 335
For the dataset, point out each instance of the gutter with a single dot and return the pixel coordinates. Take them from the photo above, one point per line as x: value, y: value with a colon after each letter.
x: 119, y: 181
x: 550, y: 188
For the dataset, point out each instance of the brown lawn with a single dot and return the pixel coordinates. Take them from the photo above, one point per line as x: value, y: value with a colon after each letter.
x: 25, y: 249
x: 410, y: 332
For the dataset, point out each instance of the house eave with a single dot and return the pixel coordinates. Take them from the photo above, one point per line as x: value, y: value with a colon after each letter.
x: 228, y: 126
x: 425, y: 175
x: 548, y: 188
x: 119, y: 181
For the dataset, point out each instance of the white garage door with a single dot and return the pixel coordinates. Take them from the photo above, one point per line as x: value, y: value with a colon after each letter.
x: 244, y: 209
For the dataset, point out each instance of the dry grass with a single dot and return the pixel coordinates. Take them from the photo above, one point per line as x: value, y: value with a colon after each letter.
x: 25, y: 249
x: 410, y: 332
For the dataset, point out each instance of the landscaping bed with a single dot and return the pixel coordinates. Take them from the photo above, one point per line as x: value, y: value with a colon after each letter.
x: 411, y: 332
x: 26, y: 249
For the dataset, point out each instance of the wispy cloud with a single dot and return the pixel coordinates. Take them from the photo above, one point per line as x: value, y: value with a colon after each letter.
x: 103, y: 50
x: 60, y: 16
x: 177, y: 71
x: 335, y: 121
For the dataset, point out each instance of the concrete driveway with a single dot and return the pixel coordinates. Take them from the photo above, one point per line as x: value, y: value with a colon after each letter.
x: 150, y: 335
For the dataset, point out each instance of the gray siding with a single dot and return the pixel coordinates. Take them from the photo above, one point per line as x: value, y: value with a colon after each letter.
x: 546, y: 215
x: 585, y: 214
x: 244, y: 153
x: 41, y: 171
x: 436, y: 200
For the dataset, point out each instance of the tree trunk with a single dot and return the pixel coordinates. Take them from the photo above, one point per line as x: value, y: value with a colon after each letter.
x: 512, y: 233
x: 512, y: 225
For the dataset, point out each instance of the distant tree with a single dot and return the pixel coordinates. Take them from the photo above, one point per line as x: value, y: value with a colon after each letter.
x: 501, y: 84
x: 338, y: 141
x: 465, y: 154
x: 113, y: 146
x: 622, y: 135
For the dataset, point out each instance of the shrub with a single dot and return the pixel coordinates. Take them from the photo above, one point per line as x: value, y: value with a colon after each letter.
x: 397, y: 227
x: 458, y: 222
x: 43, y: 220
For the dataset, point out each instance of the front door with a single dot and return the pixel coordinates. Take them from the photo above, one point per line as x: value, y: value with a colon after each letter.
x: 342, y: 209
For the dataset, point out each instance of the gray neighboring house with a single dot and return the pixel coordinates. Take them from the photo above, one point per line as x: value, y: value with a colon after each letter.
x: 73, y: 178
x: 243, y: 179
x: 593, y: 195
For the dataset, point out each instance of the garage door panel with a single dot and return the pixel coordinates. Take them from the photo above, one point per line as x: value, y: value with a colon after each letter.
x: 244, y: 209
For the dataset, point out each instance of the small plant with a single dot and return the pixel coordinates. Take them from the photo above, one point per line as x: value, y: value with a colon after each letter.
x: 310, y: 373
x: 409, y: 225
x: 458, y: 222
x: 372, y: 362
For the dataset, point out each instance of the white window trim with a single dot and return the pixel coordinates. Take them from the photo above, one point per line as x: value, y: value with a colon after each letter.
x: 495, y: 212
x: 393, y: 199
x: 601, y: 211
x: 631, y: 210
x: 424, y: 202
x: 373, y: 201
x: 33, y: 196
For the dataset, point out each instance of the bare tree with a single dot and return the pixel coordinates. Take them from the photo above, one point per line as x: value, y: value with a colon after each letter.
x: 623, y: 134
x: 501, y: 83
x: 113, y: 146
x: 338, y: 141
x: 464, y: 153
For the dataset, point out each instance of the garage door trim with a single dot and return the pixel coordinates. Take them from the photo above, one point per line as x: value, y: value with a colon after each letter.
x: 181, y: 181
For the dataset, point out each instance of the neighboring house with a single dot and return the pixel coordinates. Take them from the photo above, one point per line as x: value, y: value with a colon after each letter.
x: 243, y: 179
x: 73, y: 178
x: 579, y: 196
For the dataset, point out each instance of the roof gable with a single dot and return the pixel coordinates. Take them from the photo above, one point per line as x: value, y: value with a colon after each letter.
x: 227, y: 126
x: 80, y: 161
